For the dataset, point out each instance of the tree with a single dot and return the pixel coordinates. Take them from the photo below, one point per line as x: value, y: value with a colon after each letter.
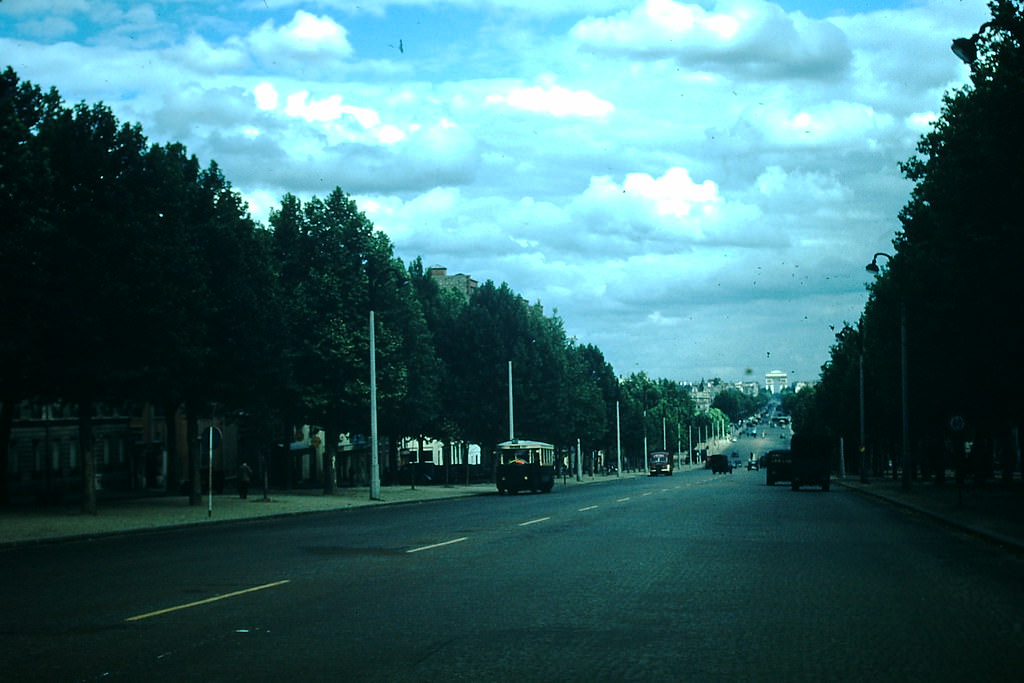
x: 86, y: 333
x: 953, y: 277
x: 957, y: 258
x: 334, y: 270
x: 25, y: 186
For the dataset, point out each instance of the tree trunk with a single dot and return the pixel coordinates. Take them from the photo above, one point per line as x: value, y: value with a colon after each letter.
x: 330, y: 454
x: 88, y: 454
x: 446, y: 457
x: 172, y: 477
x: 7, y: 409
x: 195, y: 491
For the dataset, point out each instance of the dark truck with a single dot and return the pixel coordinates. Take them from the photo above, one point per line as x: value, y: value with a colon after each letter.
x: 719, y: 464
x: 778, y: 466
x: 810, y: 461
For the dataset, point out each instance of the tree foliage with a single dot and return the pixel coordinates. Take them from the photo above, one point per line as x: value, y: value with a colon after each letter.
x: 953, y: 280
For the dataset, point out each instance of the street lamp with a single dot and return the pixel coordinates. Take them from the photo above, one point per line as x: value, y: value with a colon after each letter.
x: 907, y: 465
x: 966, y: 49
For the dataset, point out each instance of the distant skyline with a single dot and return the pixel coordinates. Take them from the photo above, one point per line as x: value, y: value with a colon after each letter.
x: 693, y: 187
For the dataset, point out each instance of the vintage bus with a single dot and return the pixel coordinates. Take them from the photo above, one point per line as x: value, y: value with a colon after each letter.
x: 525, y: 466
x: 659, y: 462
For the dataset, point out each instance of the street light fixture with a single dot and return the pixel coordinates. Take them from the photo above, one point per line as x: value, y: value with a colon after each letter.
x: 966, y: 49
x: 907, y: 465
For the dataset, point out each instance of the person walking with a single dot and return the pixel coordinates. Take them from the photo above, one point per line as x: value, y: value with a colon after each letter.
x: 244, y: 477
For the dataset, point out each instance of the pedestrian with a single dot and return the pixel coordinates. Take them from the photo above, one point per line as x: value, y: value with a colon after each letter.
x: 244, y: 476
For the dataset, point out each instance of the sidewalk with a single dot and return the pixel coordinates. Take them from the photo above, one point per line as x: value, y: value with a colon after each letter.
x: 994, y: 511
x: 27, y: 524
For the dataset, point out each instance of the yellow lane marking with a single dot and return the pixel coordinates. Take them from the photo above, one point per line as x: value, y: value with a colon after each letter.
x: 207, y: 600
x: 437, y: 545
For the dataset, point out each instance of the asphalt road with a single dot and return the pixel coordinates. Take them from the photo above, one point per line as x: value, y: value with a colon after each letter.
x: 687, y: 578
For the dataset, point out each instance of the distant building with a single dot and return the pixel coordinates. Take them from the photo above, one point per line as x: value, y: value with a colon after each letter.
x: 776, y: 381
x: 703, y: 393
x: 460, y: 282
x: 749, y: 388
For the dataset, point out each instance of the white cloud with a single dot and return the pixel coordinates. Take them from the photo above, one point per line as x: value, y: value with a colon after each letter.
x: 199, y: 55
x: 553, y: 99
x: 753, y: 37
x: 305, y: 35
x: 716, y: 169
x: 266, y: 96
x: 922, y: 121
x: 49, y: 28
x: 824, y: 123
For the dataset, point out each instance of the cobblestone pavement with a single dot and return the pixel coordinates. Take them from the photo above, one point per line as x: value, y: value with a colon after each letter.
x: 21, y: 524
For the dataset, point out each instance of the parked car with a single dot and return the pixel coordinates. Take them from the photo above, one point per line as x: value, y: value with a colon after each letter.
x: 778, y: 466
x: 720, y: 464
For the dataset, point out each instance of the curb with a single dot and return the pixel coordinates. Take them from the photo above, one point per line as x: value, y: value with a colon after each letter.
x: 158, y: 528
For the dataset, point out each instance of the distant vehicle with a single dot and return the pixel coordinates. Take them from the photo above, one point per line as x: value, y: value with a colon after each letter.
x: 720, y: 464
x: 525, y: 466
x: 660, y: 462
x: 810, y: 461
x: 734, y: 460
x: 752, y: 462
x: 778, y: 466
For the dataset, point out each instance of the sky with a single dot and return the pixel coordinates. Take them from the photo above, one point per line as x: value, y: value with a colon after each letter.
x: 692, y: 187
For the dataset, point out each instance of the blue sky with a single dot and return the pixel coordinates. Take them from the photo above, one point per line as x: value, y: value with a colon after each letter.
x: 695, y: 187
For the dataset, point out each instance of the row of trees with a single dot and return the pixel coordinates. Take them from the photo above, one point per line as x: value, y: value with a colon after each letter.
x: 131, y: 273
x: 953, y: 282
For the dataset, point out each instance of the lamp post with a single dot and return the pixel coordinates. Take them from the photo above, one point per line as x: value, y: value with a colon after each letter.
x: 374, y: 454
x: 863, y: 438
x: 907, y: 464
x: 618, y: 442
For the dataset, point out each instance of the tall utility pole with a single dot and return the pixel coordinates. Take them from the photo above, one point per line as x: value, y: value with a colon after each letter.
x: 863, y: 446
x: 618, y: 441
x: 511, y: 421
x: 908, y: 465
x: 374, y: 464
x: 579, y: 461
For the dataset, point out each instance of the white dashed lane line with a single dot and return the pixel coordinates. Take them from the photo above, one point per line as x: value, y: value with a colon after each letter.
x: 437, y: 545
x: 535, y: 521
x: 589, y: 507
